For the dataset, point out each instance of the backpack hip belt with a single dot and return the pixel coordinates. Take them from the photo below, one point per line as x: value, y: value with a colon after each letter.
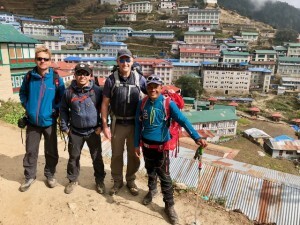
x: 159, y: 147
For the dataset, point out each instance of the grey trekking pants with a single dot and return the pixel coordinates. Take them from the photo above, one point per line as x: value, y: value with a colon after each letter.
x: 33, y: 139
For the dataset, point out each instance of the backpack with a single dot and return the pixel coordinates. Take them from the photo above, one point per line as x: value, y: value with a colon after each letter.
x: 174, y: 127
x: 55, y: 82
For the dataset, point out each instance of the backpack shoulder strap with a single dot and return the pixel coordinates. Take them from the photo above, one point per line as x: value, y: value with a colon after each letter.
x: 55, y: 79
x: 144, y: 100
x: 69, y: 95
x: 166, y: 103
x: 92, y: 95
x: 27, y: 80
x: 116, y: 84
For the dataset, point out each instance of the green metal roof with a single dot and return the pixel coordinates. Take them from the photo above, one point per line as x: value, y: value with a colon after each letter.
x: 210, y: 115
x: 110, y: 63
x: 75, y: 51
x: 279, y: 48
x: 45, y: 38
x: 293, y: 44
x: 289, y: 59
x: 199, y: 33
x: 8, y: 34
x: 249, y: 33
x: 235, y: 53
x: 265, y: 51
x: 22, y: 65
x: 224, y: 107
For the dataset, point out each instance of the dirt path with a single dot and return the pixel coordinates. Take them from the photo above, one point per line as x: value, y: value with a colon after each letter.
x: 41, y: 205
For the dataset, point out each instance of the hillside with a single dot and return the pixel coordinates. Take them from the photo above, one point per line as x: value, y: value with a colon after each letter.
x: 280, y: 15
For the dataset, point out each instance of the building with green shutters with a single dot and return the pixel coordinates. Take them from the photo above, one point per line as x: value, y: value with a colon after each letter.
x: 17, y: 53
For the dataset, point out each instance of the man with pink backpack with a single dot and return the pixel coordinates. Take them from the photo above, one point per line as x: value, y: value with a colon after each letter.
x: 154, y: 115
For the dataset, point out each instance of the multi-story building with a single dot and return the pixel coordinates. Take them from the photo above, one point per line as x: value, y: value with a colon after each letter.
x: 167, y: 4
x: 116, y: 33
x: 269, y: 65
x: 280, y: 50
x: 260, y: 79
x: 75, y: 37
x: 234, y: 57
x: 164, y: 69
x: 51, y: 42
x: 233, y: 47
x: 139, y: 7
x: 7, y: 17
x: 199, y: 27
x: 17, y: 53
x: 264, y: 55
x: 126, y: 16
x: 88, y: 60
x: 58, y: 56
x: 154, y: 33
x: 182, y: 69
x: 226, y: 79
x: 59, y: 19
x: 288, y: 66
x: 111, y: 48
x: 197, y: 55
x: 293, y: 49
x: 205, y: 16
x: 222, y: 122
x: 33, y: 26
x: 183, y: 10
x: 148, y: 64
x: 199, y: 37
x: 290, y: 83
x: 249, y: 36
x: 103, y: 69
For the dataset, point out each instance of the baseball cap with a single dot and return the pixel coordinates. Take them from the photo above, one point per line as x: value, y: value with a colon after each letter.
x: 84, y: 67
x: 154, y: 79
x: 124, y: 52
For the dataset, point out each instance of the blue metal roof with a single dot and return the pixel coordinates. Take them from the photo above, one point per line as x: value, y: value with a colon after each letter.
x: 283, y: 138
x: 185, y: 64
x: 71, y: 32
x: 33, y: 20
x: 173, y: 60
x: 112, y: 43
x: 256, y: 69
x: 86, y: 59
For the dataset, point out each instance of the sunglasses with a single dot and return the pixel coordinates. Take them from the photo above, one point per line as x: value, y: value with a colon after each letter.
x: 151, y: 78
x: 82, y: 73
x: 128, y: 60
x: 41, y: 59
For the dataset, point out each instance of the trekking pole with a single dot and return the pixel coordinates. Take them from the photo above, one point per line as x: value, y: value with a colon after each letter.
x: 198, y: 155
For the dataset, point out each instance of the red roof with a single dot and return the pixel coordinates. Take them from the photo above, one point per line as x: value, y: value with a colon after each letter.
x: 276, y: 115
x: 63, y: 65
x: 212, y: 99
x: 235, y: 104
x: 296, y: 120
x: 254, y: 109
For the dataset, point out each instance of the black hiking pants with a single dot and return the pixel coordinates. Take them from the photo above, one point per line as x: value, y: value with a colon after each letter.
x: 76, y: 142
x: 157, y: 165
x: 33, y: 139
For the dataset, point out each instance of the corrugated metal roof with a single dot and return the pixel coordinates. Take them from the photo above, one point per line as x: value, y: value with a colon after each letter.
x: 210, y: 115
x: 256, y: 133
x: 284, y: 145
x: 8, y: 34
x: 261, y: 194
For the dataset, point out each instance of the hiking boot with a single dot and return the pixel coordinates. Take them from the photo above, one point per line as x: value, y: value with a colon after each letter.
x: 172, y: 215
x: 100, y: 187
x: 51, y: 182
x: 149, y: 196
x: 26, y: 185
x: 132, y: 188
x: 70, y: 187
x: 115, y: 189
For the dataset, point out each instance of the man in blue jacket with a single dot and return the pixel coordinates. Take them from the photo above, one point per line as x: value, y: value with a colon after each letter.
x: 40, y: 95
x: 80, y: 120
x: 151, y: 128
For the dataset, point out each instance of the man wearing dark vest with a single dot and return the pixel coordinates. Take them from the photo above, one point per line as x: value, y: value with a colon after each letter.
x: 122, y: 92
x: 80, y: 121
